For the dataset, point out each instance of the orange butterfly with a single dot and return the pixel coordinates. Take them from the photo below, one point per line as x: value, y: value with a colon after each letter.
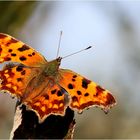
x: 42, y: 86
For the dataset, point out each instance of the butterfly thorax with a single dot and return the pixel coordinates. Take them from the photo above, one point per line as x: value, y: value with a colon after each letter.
x: 51, y: 69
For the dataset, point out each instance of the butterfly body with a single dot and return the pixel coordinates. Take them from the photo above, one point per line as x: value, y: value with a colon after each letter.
x: 44, y: 87
x: 51, y: 68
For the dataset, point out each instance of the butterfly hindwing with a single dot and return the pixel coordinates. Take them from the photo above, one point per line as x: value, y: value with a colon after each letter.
x: 51, y: 100
x: 15, y: 78
x: 16, y: 51
x: 84, y: 93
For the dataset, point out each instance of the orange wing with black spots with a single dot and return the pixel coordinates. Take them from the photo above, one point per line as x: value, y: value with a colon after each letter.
x: 85, y: 93
x: 15, y: 78
x: 52, y: 100
x: 16, y: 51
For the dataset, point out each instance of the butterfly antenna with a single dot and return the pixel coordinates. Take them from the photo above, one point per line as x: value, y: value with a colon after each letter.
x: 77, y: 52
x: 59, y: 44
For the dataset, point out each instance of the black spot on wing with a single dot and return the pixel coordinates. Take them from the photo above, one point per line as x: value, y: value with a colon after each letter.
x: 60, y: 92
x: 53, y: 91
x: 10, y: 50
x: 73, y: 80
x: 29, y: 55
x: 46, y: 97
x: 22, y: 58
x: 74, y: 76
x: 13, y: 54
x: 19, y: 68
x: 86, y: 94
x: 74, y: 98
x: 85, y: 83
x: 19, y: 79
x: 79, y: 92
x: 23, y: 48
x: 33, y: 53
x: 70, y: 86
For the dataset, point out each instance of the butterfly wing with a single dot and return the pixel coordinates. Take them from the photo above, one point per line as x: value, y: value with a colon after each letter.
x: 15, y: 78
x: 51, y: 100
x: 16, y: 51
x: 38, y: 93
x: 84, y: 93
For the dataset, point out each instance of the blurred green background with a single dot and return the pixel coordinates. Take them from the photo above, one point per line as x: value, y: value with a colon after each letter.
x: 113, y: 27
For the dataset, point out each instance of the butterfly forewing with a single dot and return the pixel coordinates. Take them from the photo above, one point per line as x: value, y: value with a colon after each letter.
x: 16, y: 51
x: 83, y: 92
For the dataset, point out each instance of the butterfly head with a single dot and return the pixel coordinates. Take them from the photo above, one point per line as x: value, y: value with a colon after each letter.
x: 59, y: 60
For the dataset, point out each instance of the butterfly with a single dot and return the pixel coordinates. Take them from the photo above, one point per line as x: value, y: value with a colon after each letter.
x: 44, y: 87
